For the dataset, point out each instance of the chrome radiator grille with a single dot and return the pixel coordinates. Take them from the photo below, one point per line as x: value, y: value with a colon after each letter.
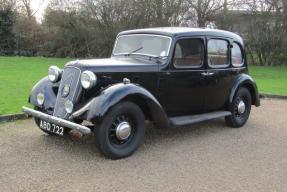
x: 71, y: 79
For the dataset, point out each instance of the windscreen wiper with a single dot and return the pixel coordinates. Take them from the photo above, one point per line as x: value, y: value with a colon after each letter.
x: 138, y: 49
x: 158, y: 59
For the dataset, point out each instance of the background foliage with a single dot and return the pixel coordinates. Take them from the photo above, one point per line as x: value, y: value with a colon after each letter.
x: 87, y: 28
x: 7, y: 36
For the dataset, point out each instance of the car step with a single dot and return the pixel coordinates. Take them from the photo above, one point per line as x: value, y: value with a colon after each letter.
x: 187, y: 120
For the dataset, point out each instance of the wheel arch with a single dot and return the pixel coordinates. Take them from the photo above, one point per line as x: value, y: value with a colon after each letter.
x: 252, y: 92
x: 247, y: 82
x: 141, y: 102
x: 49, y: 89
x: 99, y: 106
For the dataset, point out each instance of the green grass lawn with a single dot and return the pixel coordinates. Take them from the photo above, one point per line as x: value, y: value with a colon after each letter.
x: 19, y: 74
x: 17, y: 77
x: 271, y: 80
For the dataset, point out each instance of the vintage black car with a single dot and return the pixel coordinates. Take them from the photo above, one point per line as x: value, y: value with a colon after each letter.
x: 169, y: 76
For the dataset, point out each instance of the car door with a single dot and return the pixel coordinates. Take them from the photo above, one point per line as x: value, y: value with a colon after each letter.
x: 182, y: 85
x: 218, y: 74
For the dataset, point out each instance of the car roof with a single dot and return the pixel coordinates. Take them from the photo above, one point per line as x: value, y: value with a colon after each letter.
x: 185, y: 31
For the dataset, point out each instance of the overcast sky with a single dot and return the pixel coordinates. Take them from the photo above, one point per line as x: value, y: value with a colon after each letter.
x: 41, y: 5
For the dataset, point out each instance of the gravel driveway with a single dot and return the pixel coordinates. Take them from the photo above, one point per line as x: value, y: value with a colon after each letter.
x: 204, y: 157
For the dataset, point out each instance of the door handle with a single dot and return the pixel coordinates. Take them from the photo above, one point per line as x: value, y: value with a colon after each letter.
x: 204, y: 74
x: 210, y: 74
x: 207, y: 74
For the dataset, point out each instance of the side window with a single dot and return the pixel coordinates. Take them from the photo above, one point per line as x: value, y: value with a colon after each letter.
x: 189, y: 53
x: 218, y: 52
x: 237, y: 56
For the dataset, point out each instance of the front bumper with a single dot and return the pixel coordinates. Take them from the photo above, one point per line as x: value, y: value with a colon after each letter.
x: 56, y: 120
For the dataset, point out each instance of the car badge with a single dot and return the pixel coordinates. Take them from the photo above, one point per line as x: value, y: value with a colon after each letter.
x: 65, y: 91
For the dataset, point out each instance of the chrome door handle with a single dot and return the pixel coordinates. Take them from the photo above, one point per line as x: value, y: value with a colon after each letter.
x: 207, y: 74
x: 204, y: 74
x: 210, y: 74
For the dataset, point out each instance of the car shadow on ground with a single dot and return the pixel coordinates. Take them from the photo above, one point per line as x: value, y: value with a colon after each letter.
x: 86, y: 146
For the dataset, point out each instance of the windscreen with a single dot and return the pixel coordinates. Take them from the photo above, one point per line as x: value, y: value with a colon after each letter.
x: 150, y: 45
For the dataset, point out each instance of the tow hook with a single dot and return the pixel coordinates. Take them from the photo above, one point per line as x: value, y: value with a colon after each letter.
x: 76, y: 134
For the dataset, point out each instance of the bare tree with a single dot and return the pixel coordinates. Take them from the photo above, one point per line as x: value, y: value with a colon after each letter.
x: 86, y: 28
x: 7, y: 4
x: 285, y: 14
x: 206, y: 10
x: 26, y: 5
x: 166, y: 12
x: 266, y: 39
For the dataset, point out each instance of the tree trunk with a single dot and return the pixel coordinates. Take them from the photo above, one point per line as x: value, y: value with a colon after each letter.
x: 285, y: 14
x: 224, y: 17
x: 201, y: 21
x: 200, y: 17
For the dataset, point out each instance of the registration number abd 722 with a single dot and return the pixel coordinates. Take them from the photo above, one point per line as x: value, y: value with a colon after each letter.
x: 51, y: 127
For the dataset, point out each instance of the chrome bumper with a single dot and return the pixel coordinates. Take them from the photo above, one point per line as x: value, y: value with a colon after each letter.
x: 56, y: 120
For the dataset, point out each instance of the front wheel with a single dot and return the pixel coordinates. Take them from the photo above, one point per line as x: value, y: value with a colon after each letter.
x: 240, y: 109
x: 122, y: 131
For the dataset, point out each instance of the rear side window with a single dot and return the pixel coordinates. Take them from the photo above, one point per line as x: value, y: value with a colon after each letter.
x: 189, y: 53
x: 218, y: 53
x: 237, y: 56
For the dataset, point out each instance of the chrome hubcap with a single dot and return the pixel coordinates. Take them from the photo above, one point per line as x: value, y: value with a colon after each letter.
x: 123, y: 131
x: 241, y: 107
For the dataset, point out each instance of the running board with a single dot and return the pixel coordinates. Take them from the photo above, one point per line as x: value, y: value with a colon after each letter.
x: 187, y: 120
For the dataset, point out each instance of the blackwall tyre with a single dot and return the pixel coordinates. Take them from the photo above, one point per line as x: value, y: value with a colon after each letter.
x: 240, y: 109
x: 122, y: 131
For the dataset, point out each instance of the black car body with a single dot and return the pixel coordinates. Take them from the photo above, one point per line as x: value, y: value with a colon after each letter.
x: 170, y: 76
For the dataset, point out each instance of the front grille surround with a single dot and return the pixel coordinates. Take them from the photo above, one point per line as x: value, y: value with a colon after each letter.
x: 71, y: 77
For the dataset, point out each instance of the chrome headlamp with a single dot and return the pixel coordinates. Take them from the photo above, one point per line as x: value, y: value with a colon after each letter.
x: 88, y: 79
x: 54, y: 73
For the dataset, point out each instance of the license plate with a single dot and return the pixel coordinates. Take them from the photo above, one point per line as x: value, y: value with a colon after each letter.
x: 51, y: 127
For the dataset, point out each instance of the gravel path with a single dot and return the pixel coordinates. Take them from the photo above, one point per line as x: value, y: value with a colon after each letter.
x: 203, y: 157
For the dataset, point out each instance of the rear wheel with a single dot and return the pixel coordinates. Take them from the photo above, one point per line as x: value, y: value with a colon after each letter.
x: 122, y: 131
x: 240, y: 109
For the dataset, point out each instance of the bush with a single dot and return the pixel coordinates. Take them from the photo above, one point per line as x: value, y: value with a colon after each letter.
x: 266, y: 41
x: 7, y: 37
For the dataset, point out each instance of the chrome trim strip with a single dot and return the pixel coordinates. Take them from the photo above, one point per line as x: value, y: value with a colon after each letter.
x: 78, y: 81
x: 209, y: 69
x: 56, y: 120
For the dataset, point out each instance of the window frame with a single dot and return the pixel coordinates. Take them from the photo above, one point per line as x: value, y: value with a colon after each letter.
x: 242, y: 55
x: 139, y: 34
x: 228, y: 53
x: 202, y: 39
